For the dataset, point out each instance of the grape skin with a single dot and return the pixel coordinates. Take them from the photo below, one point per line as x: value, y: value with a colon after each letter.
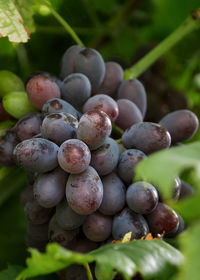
x: 128, y: 221
x: 146, y: 136
x: 90, y: 63
x: 142, y: 197
x: 97, y: 227
x: 28, y: 126
x: 40, y: 89
x: 114, y: 195
x: 36, y: 155
x: 127, y: 163
x: 8, y: 142
x: 186, y: 190
x: 74, y: 156
x: 59, y: 127
x: 26, y: 195
x: 129, y: 114
x: 3, y: 114
x: 103, y: 103
x: 94, y: 128
x: 49, y: 188
x: 134, y: 91
x: 67, y: 218
x: 181, y: 124
x: 105, y: 158
x: 37, y: 232
x: 76, y: 89
x: 84, y: 191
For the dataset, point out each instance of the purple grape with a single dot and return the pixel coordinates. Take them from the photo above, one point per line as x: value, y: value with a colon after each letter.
x: 186, y: 190
x: 57, y: 105
x: 74, y: 156
x: 26, y: 195
x: 94, y: 128
x: 36, y: 244
x: 175, y: 191
x: 97, y: 227
x: 129, y: 114
x: 127, y: 163
x: 146, y: 136
x: 8, y: 141
x: 90, y: 63
x: 46, y: 74
x: 68, y: 60
x: 37, y: 214
x: 40, y: 89
x: 114, y: 195
x: 84, y: 191
x: 49, y: 188
x: 103, y: 103
x: 106, y: 157
x: 162, y: 220
x: 67, y: 218
x: 59, y: 235
x: 134, y: 91
x: 181, y: 124
x: 178, y: 230
x: 128, y: 221
x: 36, y: 155
x: 142, y: 197
x: 82, y: 245
x: 59, y: 127
x: 76, y: 89
x: 28, y: 126
x: 112, y: 79
x: 37, y: 232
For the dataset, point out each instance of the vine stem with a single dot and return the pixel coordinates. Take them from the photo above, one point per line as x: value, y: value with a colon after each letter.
x: 89, y: 273
x: 190, y: 24
x: 66, y: 26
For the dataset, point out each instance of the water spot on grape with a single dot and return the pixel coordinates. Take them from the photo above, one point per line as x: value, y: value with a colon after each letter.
x: 56, y: 104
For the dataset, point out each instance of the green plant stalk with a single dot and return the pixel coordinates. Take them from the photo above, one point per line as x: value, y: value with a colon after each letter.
x: 190, y: 24
x: 89, y: 273
x: 66, y: 26
x: 117, y: 129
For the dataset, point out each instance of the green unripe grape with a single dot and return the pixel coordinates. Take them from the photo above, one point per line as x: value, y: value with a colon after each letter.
x: 9, y: 82
x: 196, y: 81
x: 17, y: 104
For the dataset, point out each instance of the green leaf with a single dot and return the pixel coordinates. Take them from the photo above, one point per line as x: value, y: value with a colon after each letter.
x: 11, y: 23
x: 10, y: 273
x: 150, y: 258
x: 5, y: 125
x: 26, y: 10
x: 162, y: 167
x: 190, y: 245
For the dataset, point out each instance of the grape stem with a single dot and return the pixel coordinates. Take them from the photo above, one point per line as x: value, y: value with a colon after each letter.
x: 66, y: 26
x: 190, y: 24
x: 89, y: 273
x: 117, y: 129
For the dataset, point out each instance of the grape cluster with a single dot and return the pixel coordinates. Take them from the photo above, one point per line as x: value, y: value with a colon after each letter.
x: 81, y: 190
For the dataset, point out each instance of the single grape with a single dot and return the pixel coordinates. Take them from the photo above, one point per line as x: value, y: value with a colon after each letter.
x: 67, y: 62
x: 49, y: 188
x: 8, y: 141
x: 59, y: 235
x: 128, y: 221
x: 28, y: 126
x: 58, y: 127
x: 67, y: 218
x: 94, y: 128
x: 45, y: 74
x: 175, y: 190
x: 76, y: 89
x: 134, y: 91
x: 112, y: 79
x: 146, y: 136
x: 142, y: 197
x: 106, y: 157
x: 127, y: 163
x: 57, y: 105
x: 74, y: 156
x: 90, y: 63
x: 9, y: 82
x: 97, y: 227
x: 186, y: 190
x: 3, y: 114
x: 129, y: 114
x: 36, y: 155
x: 181, y: 124
x: 178, y: 230
x: 114, y: 195
x: 82, y: 245
x: 40, y: 89
x: 103, y: 103
x: 26, y: 195
x: 37, y: 232
x: 162, y: 220
x: 84, y: 191
x: 37, y: 214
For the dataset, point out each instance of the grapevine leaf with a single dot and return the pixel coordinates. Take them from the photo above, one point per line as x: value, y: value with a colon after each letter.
x: 162, y: 167
x: 11, y: 23
x: 26, y: 10
x: 10, y: 273
x: 148, y: 257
